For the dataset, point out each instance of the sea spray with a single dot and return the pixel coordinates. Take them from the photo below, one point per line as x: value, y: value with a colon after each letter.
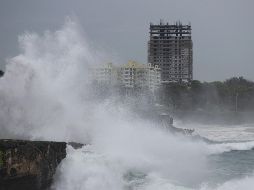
x: 44, y: 88
x: 85, y: 169
x: 227, y: 147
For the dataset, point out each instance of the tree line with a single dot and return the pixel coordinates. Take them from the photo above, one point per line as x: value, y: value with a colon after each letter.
x: 234, y: 94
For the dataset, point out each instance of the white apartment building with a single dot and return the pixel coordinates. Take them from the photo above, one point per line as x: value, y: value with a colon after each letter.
x: 105, y: 74
x: 136, y: 75
x: 130, y: 75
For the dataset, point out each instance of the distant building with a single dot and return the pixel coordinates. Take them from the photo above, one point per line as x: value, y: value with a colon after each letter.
x: 136, y: 75
x: 131, y: 75
x: 170, y: 47
x: 104, y: 74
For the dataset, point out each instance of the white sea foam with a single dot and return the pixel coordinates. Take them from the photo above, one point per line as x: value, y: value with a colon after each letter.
x: 227, y: 147
x: 85, y: 169
x: 222, y: 133
x: 246, y: 183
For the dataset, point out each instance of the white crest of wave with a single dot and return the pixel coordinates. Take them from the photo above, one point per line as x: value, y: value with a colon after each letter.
x: 83, y: 169
x: 124, y: 148
x: 227, y: 147
x: 246, y: 183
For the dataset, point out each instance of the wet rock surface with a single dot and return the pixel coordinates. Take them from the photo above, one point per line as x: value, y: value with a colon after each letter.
x: 76, y: 145
x: 29, y: 164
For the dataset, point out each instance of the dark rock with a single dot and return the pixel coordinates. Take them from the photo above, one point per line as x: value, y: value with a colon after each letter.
x: 75, y: 145
x: 29, y: 164
x: 1, y: 73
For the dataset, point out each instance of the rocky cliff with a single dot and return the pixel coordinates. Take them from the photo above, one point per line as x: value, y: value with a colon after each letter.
x: 29, y: 165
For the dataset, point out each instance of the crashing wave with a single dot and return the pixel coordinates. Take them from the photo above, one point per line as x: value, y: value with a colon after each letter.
x: 227, y: 147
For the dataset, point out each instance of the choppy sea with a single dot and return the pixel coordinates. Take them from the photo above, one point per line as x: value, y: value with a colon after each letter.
x: 228, y: 163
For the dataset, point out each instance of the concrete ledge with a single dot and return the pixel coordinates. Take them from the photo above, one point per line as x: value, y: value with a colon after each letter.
x: 29, y: 164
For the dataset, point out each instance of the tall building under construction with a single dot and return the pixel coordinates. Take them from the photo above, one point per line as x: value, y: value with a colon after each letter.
x: 170, y: 47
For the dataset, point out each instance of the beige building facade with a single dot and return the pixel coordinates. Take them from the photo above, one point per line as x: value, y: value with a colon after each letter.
x: 130, y: 75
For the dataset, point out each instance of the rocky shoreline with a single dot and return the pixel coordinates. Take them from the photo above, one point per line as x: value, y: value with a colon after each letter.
x: 29, y: 165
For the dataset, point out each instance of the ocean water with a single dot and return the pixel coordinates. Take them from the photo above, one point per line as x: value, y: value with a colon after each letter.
x: 46, y: 94
x: 228, y: 165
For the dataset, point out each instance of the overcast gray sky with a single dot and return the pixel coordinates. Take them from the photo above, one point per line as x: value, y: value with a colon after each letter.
x: 222, y: 30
